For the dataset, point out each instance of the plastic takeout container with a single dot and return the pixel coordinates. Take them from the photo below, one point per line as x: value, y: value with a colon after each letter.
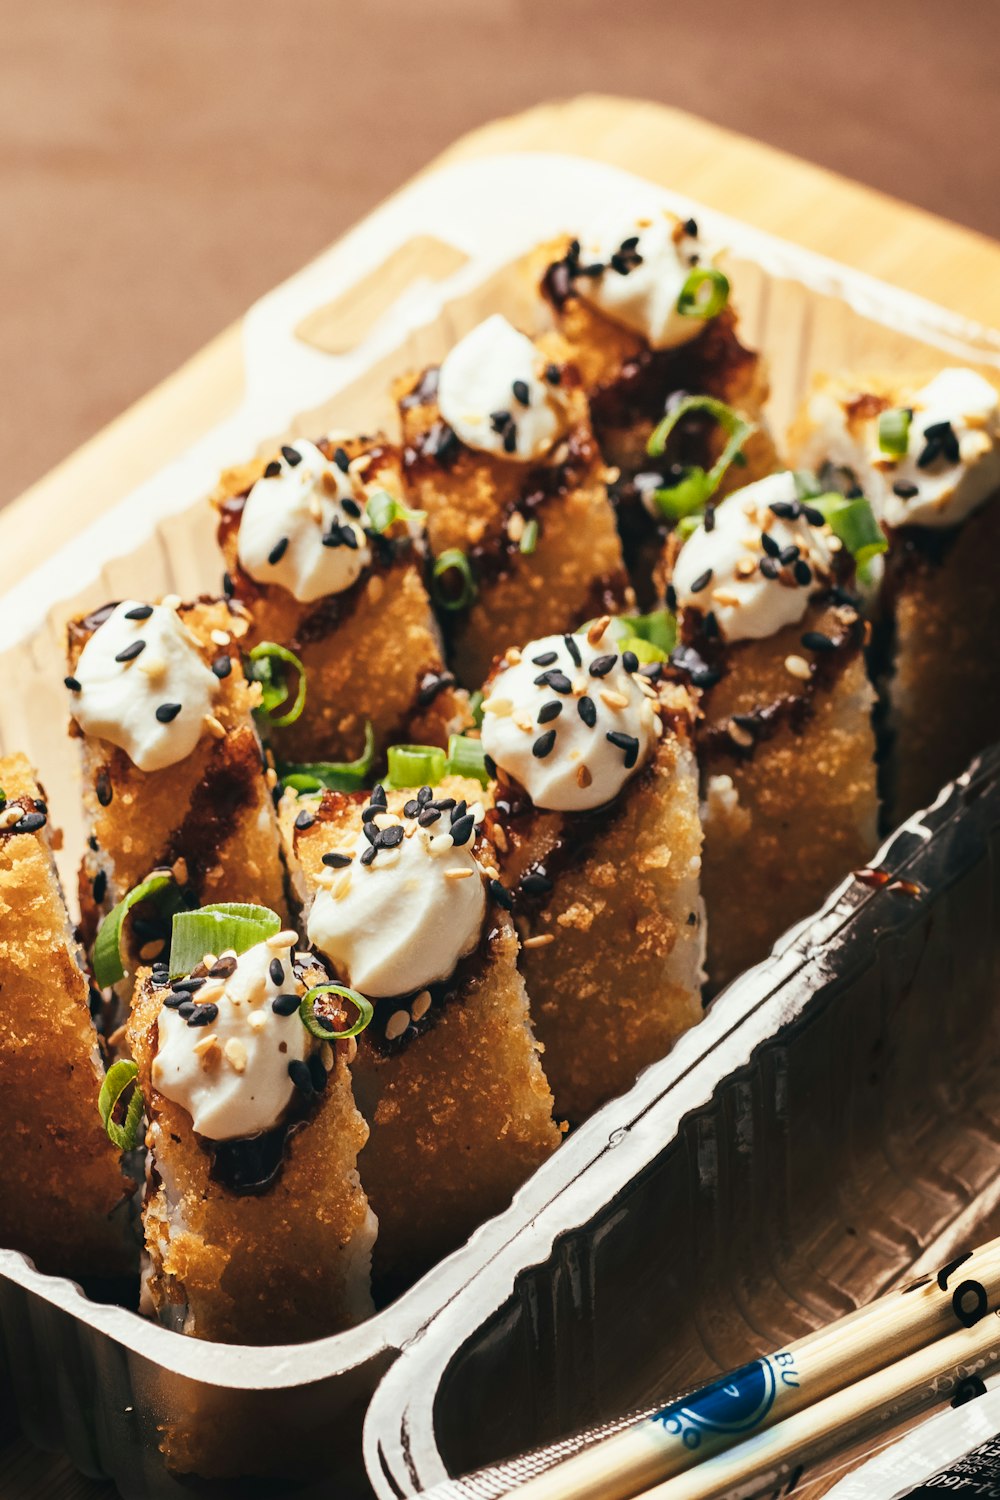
x: 163, y: 1415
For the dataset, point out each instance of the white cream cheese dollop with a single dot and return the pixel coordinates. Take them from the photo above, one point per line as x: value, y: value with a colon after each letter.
x: 295, y: 531
x: 403, y: 920
x: 493, y: 393
x: 646, y: 263
x: 755, y: 571
x: 959, y: 471
x: 231, y: 1074
x: 569, y: 721
x: 143, y: 685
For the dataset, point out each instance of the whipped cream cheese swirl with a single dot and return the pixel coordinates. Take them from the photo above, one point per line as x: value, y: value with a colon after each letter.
x: 570, y: 718
x: 635, y: 272
x: 230, y: 1045
x: 498, y: 394
x: 952, y: 460
x: 407, y: 900
x: 756, y: 570
x: 302, y: 525
x: 141, y: 684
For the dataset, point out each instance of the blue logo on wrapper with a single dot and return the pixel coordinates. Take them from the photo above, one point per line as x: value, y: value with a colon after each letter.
x: 737, y: 1403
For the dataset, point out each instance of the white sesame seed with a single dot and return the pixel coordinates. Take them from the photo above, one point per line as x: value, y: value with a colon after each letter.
x: 396, y: 1024
x: 220, y: 637
x: 798, y: 667
x: 541, y: 940
x: 235, y: 1054
x: 421, y: 1005
x: 739, y: 735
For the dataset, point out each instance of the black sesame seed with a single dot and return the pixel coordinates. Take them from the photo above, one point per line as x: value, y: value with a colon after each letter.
x: 490, y: 766
x: 536, y: 884
x: 228, y: 587
x: 186, y: 986
x: 690, y: 227
x: 549, y: 711
x: 521, y: 392
x: 299, y: 1073
x: 544, y: 744
x: 510, y: 439
x: 129, y: 653
x: 335, y: 861
x: 626, y: 742
x: 602, y: 665
x: 278, y: 551
x: 411, y: 809
x: 702, y: 581
x: 369, y: 855
x: 574, y: 650
x: 349, y: 538
x: 292, y: 456
x: 141, y: 612
x: 172, y: 1002
x: 351, y: 508
x: 630, y: 661
x: 377, y: 798
x: 904, y: 490
x: 332, y: 538
x: 770, y: 546
x: 276, y: 969
x: 99, y: 886
x: 709, y: 521
x: 273, y: 469
x: 458, y: 809
x: 369, y: 813
x: 769, y: 567
x: 30, y: 823
x: 391, y: 837
x: 587, y: 710
x: 427, y: 816
x: 461, y: 830
x: 788, y: 555
x: 223, y: 967
x: 103, y: 788
x: 553, y: 374
x: 369, y: 830
x: 72, y: 683
x: 222, y: 666
x: 815, y: 640
x: 545, y: 660
x: 671, y: 598
x: 500, y: 420
x: 943, y: 434
x: 501, y: 895
x: 786, y: 510
x: 802, y: 573
x: 444, y: 803
x: 341, y: 459
x: 285, y: 1005
x: 557, y: 681
x: 424, y: 795
x: 813, y: 516
x: 185, y: 1008
x: 167, y: 712
x: 203, y: 1015
x: 305, y: 819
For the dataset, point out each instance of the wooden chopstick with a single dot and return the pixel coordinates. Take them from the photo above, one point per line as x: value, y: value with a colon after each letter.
x: 822, y: 1365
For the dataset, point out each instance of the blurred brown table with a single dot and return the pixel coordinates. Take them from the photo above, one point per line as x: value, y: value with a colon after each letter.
x: 858, y: 226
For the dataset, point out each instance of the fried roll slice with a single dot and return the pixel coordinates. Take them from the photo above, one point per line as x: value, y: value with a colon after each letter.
x: 499, y: 452
x: 257, y: 1230
x: 927, y: 456
x: 321, y: 551
x: 401, y: 899
x: 173, y: 774
x: 63, y: 1199
x: 774, y: 638
x: 596, y: 818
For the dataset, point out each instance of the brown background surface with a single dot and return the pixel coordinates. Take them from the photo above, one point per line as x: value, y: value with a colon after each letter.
x: 162, y: 163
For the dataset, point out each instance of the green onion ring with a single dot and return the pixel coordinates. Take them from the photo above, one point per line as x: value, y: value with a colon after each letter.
x: 382, y: 509
x: 476, y: 707
x: 453, y: 560
x: 693, y: 301
x: 415, y: 765
x: 107, y: 959
x: 275, y: 693
x: 315, y: 1025
x: 331, y: 775
x: 894, y: 431
x: 643, y: 649
x: 117, y: 1079
x: 214, y: 929
x: 854, y: 522
x: 466, y: 757
x: 697, y: 486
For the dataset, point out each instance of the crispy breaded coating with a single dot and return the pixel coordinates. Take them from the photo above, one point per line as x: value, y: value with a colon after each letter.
x: 63, y: 1199
x: 210, y: 814
x: 286, y: 1264
x: 372, y: 653
x: 460, y: 1113
x: 481, y: 504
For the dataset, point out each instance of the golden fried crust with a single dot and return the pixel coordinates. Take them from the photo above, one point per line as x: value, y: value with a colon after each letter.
x: 462, y: 1115
x: 213, y: 809
x: 805, y: 807
x: 620, y: 979
x: 480, y: 503
x: 284, y: 1265
x: 373, y: 653
x: 62, y: 1194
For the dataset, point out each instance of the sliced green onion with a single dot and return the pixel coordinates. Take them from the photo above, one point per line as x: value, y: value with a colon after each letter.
x: 319, y: 1027
x: 466, y: 757
x: 108, y: 958
x: 704, y: 293
x: 529, y: 537
x: 331, y: 775
x: 853, y: 521
x: 476, y: 707
x: 688, y: 525
x: 644, y: 650
x: 120, y: 1076
x: 382, y: 509
x: 697, y: 486
x: 894, y: 431
x: 415, y: 765
x: 453, y: 560
x: 807, y: 486
x: 658, y: 628
x: 214, y: 929
x: 274, y: 688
